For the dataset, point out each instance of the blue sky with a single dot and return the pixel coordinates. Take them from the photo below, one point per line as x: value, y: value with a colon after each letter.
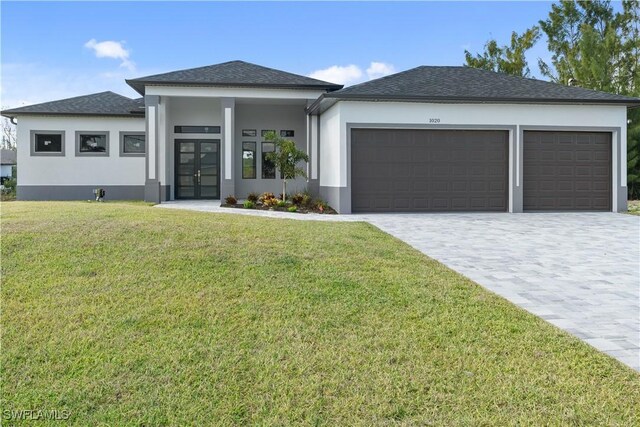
x: 57, y: 50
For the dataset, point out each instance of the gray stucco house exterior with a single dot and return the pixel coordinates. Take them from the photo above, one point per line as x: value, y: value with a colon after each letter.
x: 429, y: 139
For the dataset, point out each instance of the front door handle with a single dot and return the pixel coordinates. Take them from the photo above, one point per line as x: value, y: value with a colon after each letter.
x: 197, y: 175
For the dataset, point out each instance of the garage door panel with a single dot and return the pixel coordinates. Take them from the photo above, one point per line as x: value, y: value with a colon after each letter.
x: 576, y: 177
x: 584, y: 156
x: 437, y: 170
x: 566, y: 156
x: 601, y: 172
x: 601, y: 187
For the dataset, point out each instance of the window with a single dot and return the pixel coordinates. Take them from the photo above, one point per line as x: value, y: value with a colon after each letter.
x: 132, y: 144
x: 196, y: 129
x: 47, y: 143
x: 287, y: 133
x: 265, y: 132
x: 268, y: 167
x: 248, y: 160
x: 92, y: 143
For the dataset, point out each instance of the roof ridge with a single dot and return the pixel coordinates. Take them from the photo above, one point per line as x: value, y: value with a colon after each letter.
x: 236, y: 72
x: 381, y: 78
x: 533, y: 79
x: 72, y: 98
x: 457, y: 83
x: 237, y: 61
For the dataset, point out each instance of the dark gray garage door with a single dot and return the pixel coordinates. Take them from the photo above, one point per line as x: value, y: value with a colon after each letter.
x: 406, y: 170
x: 567, y: 171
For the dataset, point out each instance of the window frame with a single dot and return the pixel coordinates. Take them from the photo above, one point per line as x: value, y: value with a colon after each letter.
x: 195, y: 129
x: 133, y: 133
x: 262, y: 160
x: 255, y: 160
x: 79, y: 153
x: 60, y: 153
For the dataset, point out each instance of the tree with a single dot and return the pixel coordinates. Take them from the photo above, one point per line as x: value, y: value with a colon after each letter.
x: 584, y: 40
x: 8, y: 134
x: 506, y: 59
x: 629, y: 61
x: 596, y: 48
x: 633, y: 159
x: 286, y: 158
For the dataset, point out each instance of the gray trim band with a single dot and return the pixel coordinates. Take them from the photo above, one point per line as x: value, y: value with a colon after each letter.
x: 92, y: 153
x: 514, y: 193
x: 152, y: 186
x: 618, y: 183
x: 121, y: 139
x: 79, y: 192
x: 32, y: 137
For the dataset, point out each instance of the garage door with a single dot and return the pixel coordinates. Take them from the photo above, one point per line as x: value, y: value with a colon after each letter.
x: 567, y: 171
x: 406, y: 170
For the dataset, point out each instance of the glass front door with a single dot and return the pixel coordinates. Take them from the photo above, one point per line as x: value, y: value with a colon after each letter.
x: 197, y: 169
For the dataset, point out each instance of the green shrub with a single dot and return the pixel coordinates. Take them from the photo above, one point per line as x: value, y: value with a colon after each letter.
x: 306, y: 199
x: 320, y: 205
x: 230, y: 200
x: 281, y: 204
x: 266, y: 196
x: 249, y: 204
x: 253, y: 197
x: 297, y: 199
x: 292, y: 208
x: 270, y: 202
x: 10, y: 186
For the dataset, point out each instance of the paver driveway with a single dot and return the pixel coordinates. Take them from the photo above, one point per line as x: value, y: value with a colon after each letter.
x: 579, y: 271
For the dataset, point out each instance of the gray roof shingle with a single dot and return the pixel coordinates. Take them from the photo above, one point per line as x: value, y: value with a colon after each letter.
x: 470, y: 84
x: 97, y: 104
x: 233, y: 73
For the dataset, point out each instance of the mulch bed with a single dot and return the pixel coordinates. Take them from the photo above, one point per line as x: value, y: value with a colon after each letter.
x: 300, y: 209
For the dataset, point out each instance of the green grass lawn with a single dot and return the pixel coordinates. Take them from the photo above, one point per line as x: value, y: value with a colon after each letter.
x: 633, y: 207
x: 125, y: 314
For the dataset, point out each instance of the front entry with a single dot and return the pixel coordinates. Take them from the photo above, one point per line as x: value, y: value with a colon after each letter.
x: 197, y: 168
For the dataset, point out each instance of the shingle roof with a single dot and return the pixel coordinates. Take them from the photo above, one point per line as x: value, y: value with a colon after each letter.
x: 233, y: 73
x: 7, y: 157
x: 97, y: 104
x: 471, y: 84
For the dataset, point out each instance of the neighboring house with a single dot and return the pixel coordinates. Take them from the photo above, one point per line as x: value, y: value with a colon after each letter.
x: 426, y: 139
x: 7, y: 163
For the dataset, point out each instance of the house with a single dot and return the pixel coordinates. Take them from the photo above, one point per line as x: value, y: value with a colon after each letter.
x: 7, y: 163
x: 426, y: 139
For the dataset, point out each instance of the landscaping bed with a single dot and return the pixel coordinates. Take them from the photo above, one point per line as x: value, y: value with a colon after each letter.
x: 295, y: 203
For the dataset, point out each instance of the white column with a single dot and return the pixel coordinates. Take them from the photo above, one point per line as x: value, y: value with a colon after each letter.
x: 228, y: 144
x: 151, y: 142
x: 314, y: 147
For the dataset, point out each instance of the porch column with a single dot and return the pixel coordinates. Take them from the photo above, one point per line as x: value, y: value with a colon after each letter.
x: 313, y: 133
x: 152, y: 179
x: 227, y: 154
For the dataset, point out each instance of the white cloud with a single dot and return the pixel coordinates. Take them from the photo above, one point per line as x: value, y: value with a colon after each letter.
x: 379, y: 69
x: 352, y: 74
x: 111, y: 49
x: 339, y: 74
x: 32, y: 83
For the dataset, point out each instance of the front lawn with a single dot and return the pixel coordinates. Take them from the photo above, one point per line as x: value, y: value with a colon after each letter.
x: 125, y: 314
x: 633, y: 207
